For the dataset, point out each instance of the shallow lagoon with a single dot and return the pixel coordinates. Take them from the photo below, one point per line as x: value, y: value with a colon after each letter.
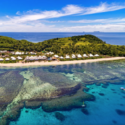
x: 103, y: 80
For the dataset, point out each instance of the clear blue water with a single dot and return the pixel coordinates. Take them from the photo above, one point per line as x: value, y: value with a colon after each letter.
x: 101, y: 112
x: 111, y: 38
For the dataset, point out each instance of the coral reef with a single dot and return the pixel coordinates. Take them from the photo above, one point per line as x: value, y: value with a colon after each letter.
x: 67, y: 102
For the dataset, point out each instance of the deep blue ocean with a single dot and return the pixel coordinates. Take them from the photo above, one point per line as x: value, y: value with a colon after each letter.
x: 110, y: 38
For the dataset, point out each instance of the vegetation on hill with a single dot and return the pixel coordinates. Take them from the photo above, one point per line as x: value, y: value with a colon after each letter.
x: 76, y: 44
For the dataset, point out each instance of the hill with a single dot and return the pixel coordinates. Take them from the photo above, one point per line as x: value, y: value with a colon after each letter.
x: 76, y: 44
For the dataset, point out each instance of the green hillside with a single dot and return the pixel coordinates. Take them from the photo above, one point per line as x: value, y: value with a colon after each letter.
x: 76, y: 44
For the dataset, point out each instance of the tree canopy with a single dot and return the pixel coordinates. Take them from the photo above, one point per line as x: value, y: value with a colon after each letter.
x: 76, y: 44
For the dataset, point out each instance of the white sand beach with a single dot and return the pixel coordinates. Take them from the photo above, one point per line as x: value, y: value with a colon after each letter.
x: 59, y: 62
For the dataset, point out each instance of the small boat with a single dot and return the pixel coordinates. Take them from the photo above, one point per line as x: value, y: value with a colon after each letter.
x: 83, y: 104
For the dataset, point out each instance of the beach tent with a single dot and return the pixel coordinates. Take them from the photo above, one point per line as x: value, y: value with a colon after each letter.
x: 56, y: 56
x: 31, y: 58
x: 13, y: 58
x: 19, y: 58
x: 90, y: 55
x: 79, y: 56
x: 84, y: 55
x: 7, y: 59
x: 73, y: 56
x: 61, y: 57
x: 1, y: 59
x: 67, y: 57
x: 96, y: 55
x: 27, y: 58
x: 44, y: 57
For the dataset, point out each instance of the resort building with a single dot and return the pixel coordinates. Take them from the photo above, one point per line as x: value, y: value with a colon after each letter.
x: 67, y: 57
x: 61, y: 57
x: 19, y: 58
x: 96, y: 55
x: 79, y: 56
x: 50, y: 53
x: 19, y: 53
x: 7, y: 59
x: 84, y: 55
x: 3, y: 51
x: 1, y: 59
x: 13, y: 58
x: 35, y: 58
x: 90, y: 55
x: 73, y: 56
x: 56, y: 56
x: 32, y: 53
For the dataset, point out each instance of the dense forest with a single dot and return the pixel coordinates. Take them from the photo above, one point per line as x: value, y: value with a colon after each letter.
x: 76, y: 44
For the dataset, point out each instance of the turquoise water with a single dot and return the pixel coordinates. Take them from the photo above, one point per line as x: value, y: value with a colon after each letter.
x: 101, y: 112
x: 103, y: 80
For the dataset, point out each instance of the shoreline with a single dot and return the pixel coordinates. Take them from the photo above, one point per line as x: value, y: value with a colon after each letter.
x: 53, y: 63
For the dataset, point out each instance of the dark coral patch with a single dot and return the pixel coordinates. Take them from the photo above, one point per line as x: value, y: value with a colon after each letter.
x: 104, y: 86
x: 26, y: 111
x: 85, y: 111
x: 114, y: 121
x: 60, y: 116
x: 121, y: 104
x: 10, y: 84
x: 102, y: 94
x: 120, y: 112
x: 67, y: 102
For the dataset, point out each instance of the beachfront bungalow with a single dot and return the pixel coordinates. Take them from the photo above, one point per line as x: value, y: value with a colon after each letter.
x: 32, y: 53
x: 90, y: 55
x: 73, y: 56
x: 7, y: 59
x: 3, y: 51
x: 27, y: 58
x: 19, y: 58
x: 67, y: 57
x: 19, y: 53
x: 61, y: 57
x: 43, y: 58
x: 1, y: 59
x: 50, y: 53
x: 79, y: 56
x: 84, y: 55
x: 13, y: 58
x: 56, y: 56
x: 96, y: 55
x: 35, y: 58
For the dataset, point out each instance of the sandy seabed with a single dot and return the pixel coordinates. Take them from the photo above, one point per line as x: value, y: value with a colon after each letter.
x: 59, y: 62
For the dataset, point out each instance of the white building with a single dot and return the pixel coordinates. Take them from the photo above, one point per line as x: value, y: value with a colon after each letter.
x: 3, y: 51
x: 19, y: 58
x: 32, y: 53
x: 79, y: 56
x: 73, y: 56
x: 67, y: 57
x: 1, y: 59
x: 7, y: 59
x: 56, y: 56
x: 90, y: 55
x: 61, y: 57
x: 13, y: 58
x: 50, y: 53
x: 84, y: 55
x: 96, y: 55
